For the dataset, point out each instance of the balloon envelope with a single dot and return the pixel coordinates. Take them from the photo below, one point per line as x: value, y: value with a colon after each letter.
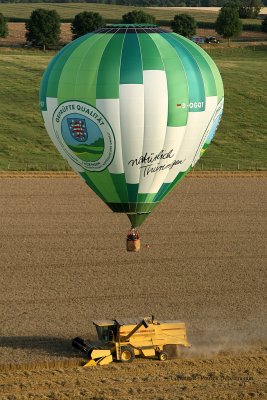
x: 131, y: 108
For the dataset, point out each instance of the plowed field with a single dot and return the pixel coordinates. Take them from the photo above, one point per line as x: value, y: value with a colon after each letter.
x: 63, y: 263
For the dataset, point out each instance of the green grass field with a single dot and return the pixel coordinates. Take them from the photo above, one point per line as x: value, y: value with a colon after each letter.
x: 111, y: 13
x: 108, y: 11
x: 242, y: 134
x: 241, y: 137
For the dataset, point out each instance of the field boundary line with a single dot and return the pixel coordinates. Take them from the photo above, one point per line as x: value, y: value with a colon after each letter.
x: 192, y: 174
x: 227, y: 174
x: 38, y: 174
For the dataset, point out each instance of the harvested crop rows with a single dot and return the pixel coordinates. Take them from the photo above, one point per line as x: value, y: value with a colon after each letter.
x: 64, y: 263
x: 223, y: 377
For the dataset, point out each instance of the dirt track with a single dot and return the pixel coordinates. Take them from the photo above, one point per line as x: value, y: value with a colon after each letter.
x: 63, y: 263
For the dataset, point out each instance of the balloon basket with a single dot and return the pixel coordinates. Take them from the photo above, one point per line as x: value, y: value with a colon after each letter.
x: 133, y: 245
x: 133, y: 241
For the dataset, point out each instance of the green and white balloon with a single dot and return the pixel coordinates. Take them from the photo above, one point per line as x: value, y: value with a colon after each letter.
x: 132, y: 108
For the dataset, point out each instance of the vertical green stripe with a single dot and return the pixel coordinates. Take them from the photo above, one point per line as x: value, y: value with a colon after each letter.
x: 78, y: 78
x: 131, y: 62
x: 92, y: 186
x: 167, y: 187
x: 192, y: 71
x: 121, y: 187
x: 216, y: 74
x: 204, y: 66
x: 132, y: 189
x: 150, y: 54
x: 52, y: 74
x: 213, y: 67
x: 102, y: 183
x: 108, y: 78
x: 178, y: 91
x: 146, y: 197
x: 111, y: 188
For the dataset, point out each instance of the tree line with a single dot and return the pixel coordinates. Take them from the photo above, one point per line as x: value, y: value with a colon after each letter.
x: 135, y: 3
x: 43, y: 27
x: 140, y: 3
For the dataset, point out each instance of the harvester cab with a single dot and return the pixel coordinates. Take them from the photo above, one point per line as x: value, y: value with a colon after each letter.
x: 106, y: 331
x: 123, y: 340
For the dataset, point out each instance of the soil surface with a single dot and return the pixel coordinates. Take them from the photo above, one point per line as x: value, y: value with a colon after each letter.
x: 63, y: 263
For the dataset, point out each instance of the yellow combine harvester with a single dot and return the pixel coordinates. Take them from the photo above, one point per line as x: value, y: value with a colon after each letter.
x: 122, y: 340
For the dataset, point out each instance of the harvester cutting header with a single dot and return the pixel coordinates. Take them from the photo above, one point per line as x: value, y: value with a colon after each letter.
x: 123, y: 340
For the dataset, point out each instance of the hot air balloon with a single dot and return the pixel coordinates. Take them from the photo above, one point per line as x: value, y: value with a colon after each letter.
x: 132, y: 108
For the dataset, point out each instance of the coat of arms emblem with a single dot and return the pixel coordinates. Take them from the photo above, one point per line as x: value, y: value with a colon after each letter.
x: 78, y: 129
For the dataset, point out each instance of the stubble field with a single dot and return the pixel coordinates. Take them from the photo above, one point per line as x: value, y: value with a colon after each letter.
x: 64, y: 263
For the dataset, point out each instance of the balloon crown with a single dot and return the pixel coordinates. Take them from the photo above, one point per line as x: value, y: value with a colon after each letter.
x: 131, y: 25
x: 131, y: 28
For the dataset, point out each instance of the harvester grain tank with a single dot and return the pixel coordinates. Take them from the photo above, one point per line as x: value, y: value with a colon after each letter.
x: 123, y: 340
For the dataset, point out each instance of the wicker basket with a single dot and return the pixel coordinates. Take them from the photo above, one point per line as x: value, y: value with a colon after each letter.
x: 133, y: 245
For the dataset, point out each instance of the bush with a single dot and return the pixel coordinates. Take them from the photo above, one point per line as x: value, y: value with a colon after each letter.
x: 205, y: 25
x: 252, y: 27
x: 43, y: 28
x: 3, y: 26
x: 249, y: 8
x: 264, y: 25
x: 138, y: 17
x: 86, y: 22
x: 184, y: 25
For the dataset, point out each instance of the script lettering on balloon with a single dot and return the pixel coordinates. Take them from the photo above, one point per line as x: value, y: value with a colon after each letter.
x: 150, y: 163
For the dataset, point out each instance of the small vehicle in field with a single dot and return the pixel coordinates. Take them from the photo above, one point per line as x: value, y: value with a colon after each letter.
x: 198, y: 39
x: 212, y: 39
x: 123, y: 340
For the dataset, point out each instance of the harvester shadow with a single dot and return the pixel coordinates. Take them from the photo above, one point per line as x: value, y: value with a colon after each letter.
x: 52, y: 346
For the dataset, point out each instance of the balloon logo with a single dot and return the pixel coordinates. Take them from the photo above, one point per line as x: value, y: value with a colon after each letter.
x: 84, y: 135
x: 132, y: 108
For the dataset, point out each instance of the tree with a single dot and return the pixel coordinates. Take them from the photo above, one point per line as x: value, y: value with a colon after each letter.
x: 249, y: 8
x: 43, y: 28
x: 184, y: 25
x: 138, y: 17
x: 264, y: 25
x: 3, y: 26
x: 228, y: 23
x: 85, y: 22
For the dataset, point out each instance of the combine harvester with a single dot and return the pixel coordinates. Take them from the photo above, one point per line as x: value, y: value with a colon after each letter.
x: 122, y: 340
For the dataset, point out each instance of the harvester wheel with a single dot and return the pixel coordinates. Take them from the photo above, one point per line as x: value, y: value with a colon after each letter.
x: 127, y: 354
x: 163, y: 356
